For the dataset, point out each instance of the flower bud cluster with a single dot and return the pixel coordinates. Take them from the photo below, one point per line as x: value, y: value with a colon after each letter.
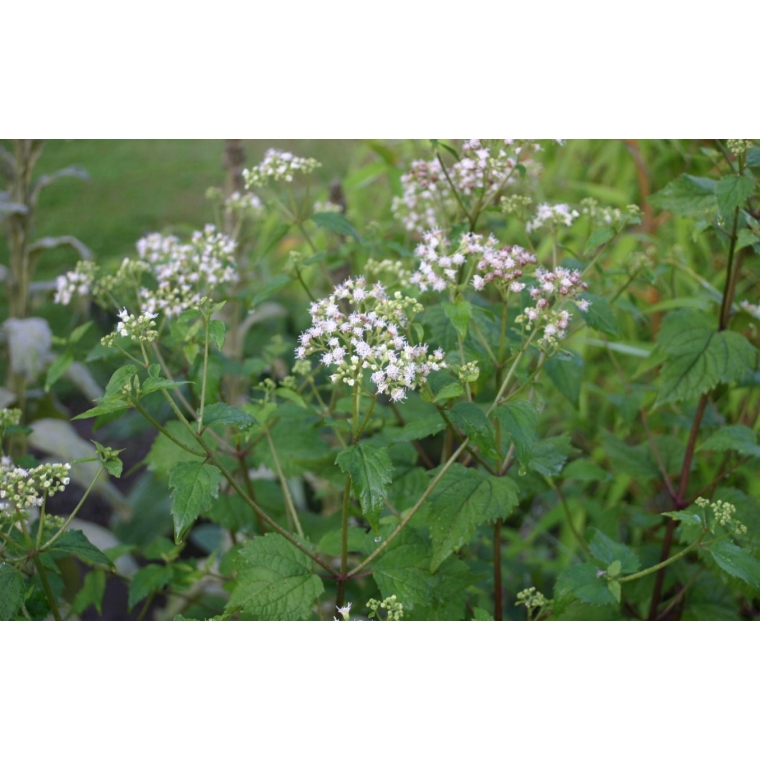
x: 23, y: 489
x: 369, y: 338
x: 552, y: 216
x: 502, y: 266
x: 515, y: 204
x: 724, y: 513
x: 739, y: 147
x: 551, y: 287
x: 74, y: 283
x: 277, y: 165
x: 469, y: 372
x: 394, y: 610
x: 140, y: 328
x: 186, y: 272
x: 532, y: 599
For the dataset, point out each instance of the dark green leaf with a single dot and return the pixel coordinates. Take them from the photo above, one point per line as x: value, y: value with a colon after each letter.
x: 519, y: 422
x: 585, y: 583
x: 76, y: 543
x: 463, y: 500
x: 118, y: 380
x: 600, y: 315
x: 272, y: 286
x: 608, y: 551
x: 404, y: 570
x: 738, y: 438
x: 585, y: 470
x: 153, y: 384
x: 217, y: 331
x: 732, y: 192
x: 420, y: 427
x: 550, y: 454
x: 452, y: 390
x: 107, y: 407
x: 275, y: 580
x: 336, y: 223
x: 57, y: 368
x: 565, y: 370
x: 91, y: 593
x: 11, y: 591
x: 473, y: 422
x: 147, y: 580
x: 736, y: 562
x: 371, y: 471
x: 194, y: 485
x: 687, y: 195
x: 460, y: 314
x: 598, y: 237
x: 223, y: 414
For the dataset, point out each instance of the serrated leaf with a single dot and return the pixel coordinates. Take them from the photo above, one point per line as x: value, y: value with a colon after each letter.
x: 91, y: 593
x: 473, y: 422
x: 419, y: 428
x: 336, y: 223
x: 275, y: 580
x: 147, y: 580
x: 404, y: 570
x: 463, y: 500
x: 75, y: 542
x: 452, y: 390
x: 549, y: 455
x: 598, y: 237
x: 582, y: 582
x: 217, y: 330
x: 370, y: 469
x: 699, y: 357
x: 687, y: 195
x: 193, y: 486
x: 518, y: 420
x: 685, y: 517
x: 164, y: 453
x: 746, y: 238
x: 565, y: 370
x: 608, y: 551
x: 118, y: 380
x: 109, y: 407
x: 460, y: 314
x: 600, y: 315
x: 223, y: 414
x: 732, y: 192
x: 736, y: 562
x: 737, y: 438
x: 11, y: 591
x: 153, y: 384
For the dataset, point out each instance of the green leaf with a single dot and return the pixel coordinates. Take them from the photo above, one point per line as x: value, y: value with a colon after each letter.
x: 753, y: 157
x: 275, y: 580
x: 747, y: 238
x: 687, y: 195
x: 217, y: 330
x: 147, y: 580
x: 473, y: 422
x: 519, y: 420
x: 370, y: 469
x: 223, y: 414
x: 153, y: 384
x: 91, y: 593
x: 598, y: 237
x: 585, y: 470
x: 79, y: 332
x: 478, y: 613
x: 732, y: 192
x: 608, y: 551
x: 109, y: 407
x: 118, y: 380
x: 336, y: 223
x: 272, y: 286
x: 291, y: 395
x: 164, y: 453
x: 404, y: 570
x: 11, y: 591
x: 600, y: 315
x: 736, y: 562
x: 76, y: 543
x: 420, y: 427
x: 737, y: 438
x: 460, y: 314
x: 463, y: 500
x: 57, y: 368
x: 194, y: 485
x: 549, y: 455
x: 685, y: 517
x: 699, y: 357
x: 583, y: 582
x: 565, y: 370
x: 452, y: 390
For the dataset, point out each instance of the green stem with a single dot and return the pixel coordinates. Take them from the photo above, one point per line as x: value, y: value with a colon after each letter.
x: 285, y: 489
x: 165, y: 432
x: 205, y: 374
x: 341, y: 596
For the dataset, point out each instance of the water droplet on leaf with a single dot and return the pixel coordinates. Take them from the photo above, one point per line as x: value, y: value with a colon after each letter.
x: 378, y: 539
x: 522, y: 472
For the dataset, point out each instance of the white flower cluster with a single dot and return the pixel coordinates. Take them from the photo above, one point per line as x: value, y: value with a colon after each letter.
x: 244, y: 202
x: 277, y: 165
x: 22, y: 489
x: 9, y: 417
x: 438, y: 267
x: 548, y: 215
x: 327, y: 207
x: 503, y: 267
x: 74, y: 283
x: 186, y: 272
x: 370, y: 338
x: 485, y: 168
x: 140, y: 328
x: 551, y: 288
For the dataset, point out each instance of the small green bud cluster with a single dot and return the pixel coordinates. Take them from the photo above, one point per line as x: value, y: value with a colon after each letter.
x: 128, y: 276
x: 9, y: 417
x: 739, y: 147
x: 516, y: 204
x: 531, y: 598
x: 54, y: 522
x: 468, y: 373
x: 136, y: 328
x: 390, y: 270
x: 394, y: 610
x: 302, y: 367
x: 22, y: 489
x: 278, y: 165
x: 724, y: 513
